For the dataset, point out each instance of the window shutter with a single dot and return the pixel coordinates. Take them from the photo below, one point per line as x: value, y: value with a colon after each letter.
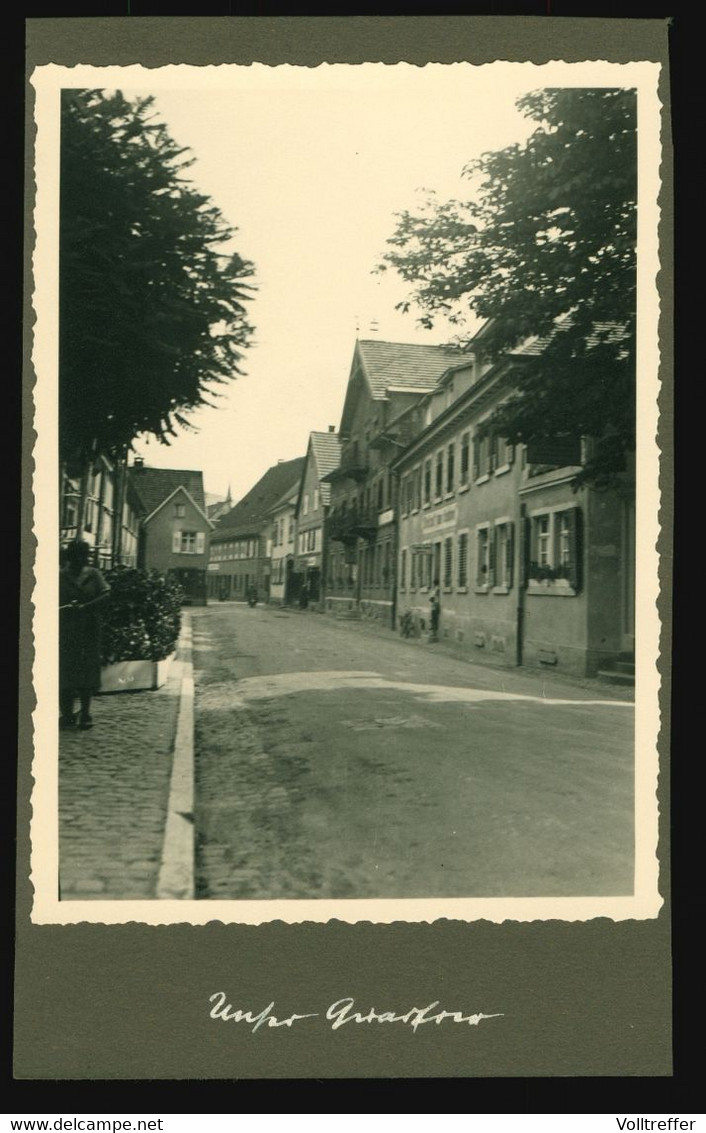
x: 575, y: 549
x: 510, y: 552
x: 176, y: 542
x: 525, y: 550
x: 509, y: 452
x: 476, y: 457
x: 492, y: 537
x: 200, y: 542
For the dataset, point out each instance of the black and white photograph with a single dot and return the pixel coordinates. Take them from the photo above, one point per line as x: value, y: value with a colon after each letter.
x: 346, y: 386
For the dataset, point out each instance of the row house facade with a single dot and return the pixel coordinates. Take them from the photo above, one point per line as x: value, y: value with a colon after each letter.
x: 174, y: 529
x: 314, y: 498
x: 242, y: 542
x: 102, y: 508
x: 385, y: 384
x: 284, y: 588
x: 527, y: 570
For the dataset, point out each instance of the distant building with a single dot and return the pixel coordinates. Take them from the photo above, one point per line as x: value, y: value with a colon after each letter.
x: 216, y: 507
x: 241, y: 542
x: 175, y: 529
x: 283, y: 520
x: 387, y: 379
x: 322, y: 457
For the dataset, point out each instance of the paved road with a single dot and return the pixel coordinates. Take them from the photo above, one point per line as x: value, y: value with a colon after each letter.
x: 333, y: 761
x: 113, y: 791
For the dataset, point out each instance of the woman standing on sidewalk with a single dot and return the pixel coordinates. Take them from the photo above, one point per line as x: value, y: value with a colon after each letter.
x: 81, y: 590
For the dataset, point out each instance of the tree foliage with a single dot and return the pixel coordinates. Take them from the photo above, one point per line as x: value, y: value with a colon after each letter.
x: 545, y: 250
x: 151, y: 308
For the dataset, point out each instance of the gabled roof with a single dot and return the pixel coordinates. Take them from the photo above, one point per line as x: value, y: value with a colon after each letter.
x: 155, y: 485
x: 404, y: 366
x: 250, y: 514
x: 289, y: 499
x: 180, y: 491
x: 326, y: 451
x: 400, y: 367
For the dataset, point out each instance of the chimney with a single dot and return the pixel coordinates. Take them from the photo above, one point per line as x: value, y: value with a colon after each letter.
x: 332, y: 428
x: 138, y: 463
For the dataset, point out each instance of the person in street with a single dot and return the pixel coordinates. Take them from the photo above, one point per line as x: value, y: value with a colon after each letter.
x: 435, y: 611
x: 82, y: 589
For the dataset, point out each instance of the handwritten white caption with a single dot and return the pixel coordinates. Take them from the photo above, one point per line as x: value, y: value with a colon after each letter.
x: 340, y: 1012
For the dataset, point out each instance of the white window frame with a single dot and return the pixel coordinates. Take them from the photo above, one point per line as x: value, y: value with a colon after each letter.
x: 503, y: 585
x: 555, y: 587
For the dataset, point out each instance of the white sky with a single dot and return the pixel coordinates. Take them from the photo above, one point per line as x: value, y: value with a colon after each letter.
x: 310, y: 164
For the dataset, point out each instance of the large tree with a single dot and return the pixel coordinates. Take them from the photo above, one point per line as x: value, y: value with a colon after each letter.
x: 152, y: 296
x: 545, y: 250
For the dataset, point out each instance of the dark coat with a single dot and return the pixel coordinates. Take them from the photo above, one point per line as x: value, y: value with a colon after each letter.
x: 80, y: 629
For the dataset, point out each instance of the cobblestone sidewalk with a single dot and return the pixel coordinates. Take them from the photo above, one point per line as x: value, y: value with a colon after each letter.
x: 113, y: 794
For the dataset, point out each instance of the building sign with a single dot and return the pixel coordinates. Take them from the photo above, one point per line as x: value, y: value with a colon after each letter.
x: 386, y: 517
x: 559, y: 452
x: 439, y: 520
x: 213, y: 566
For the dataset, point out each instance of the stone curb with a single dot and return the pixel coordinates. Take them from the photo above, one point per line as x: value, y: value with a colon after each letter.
x: 176, y: 871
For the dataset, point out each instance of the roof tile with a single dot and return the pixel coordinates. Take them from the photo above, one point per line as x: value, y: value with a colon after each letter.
x: 154, y: 485
x: 250, y: 513
x: 405, y: 365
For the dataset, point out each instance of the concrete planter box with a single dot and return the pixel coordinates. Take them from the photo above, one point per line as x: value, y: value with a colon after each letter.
x: 127, y: 676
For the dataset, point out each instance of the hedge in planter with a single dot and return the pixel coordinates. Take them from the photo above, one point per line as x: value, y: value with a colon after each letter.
x: 142, y: 616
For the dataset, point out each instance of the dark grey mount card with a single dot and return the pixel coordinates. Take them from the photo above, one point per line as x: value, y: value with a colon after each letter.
x: 118, y: 997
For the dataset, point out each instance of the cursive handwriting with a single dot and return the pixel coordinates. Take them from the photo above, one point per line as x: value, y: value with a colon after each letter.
x: 341, y: 1012
x: 224, y: 1011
